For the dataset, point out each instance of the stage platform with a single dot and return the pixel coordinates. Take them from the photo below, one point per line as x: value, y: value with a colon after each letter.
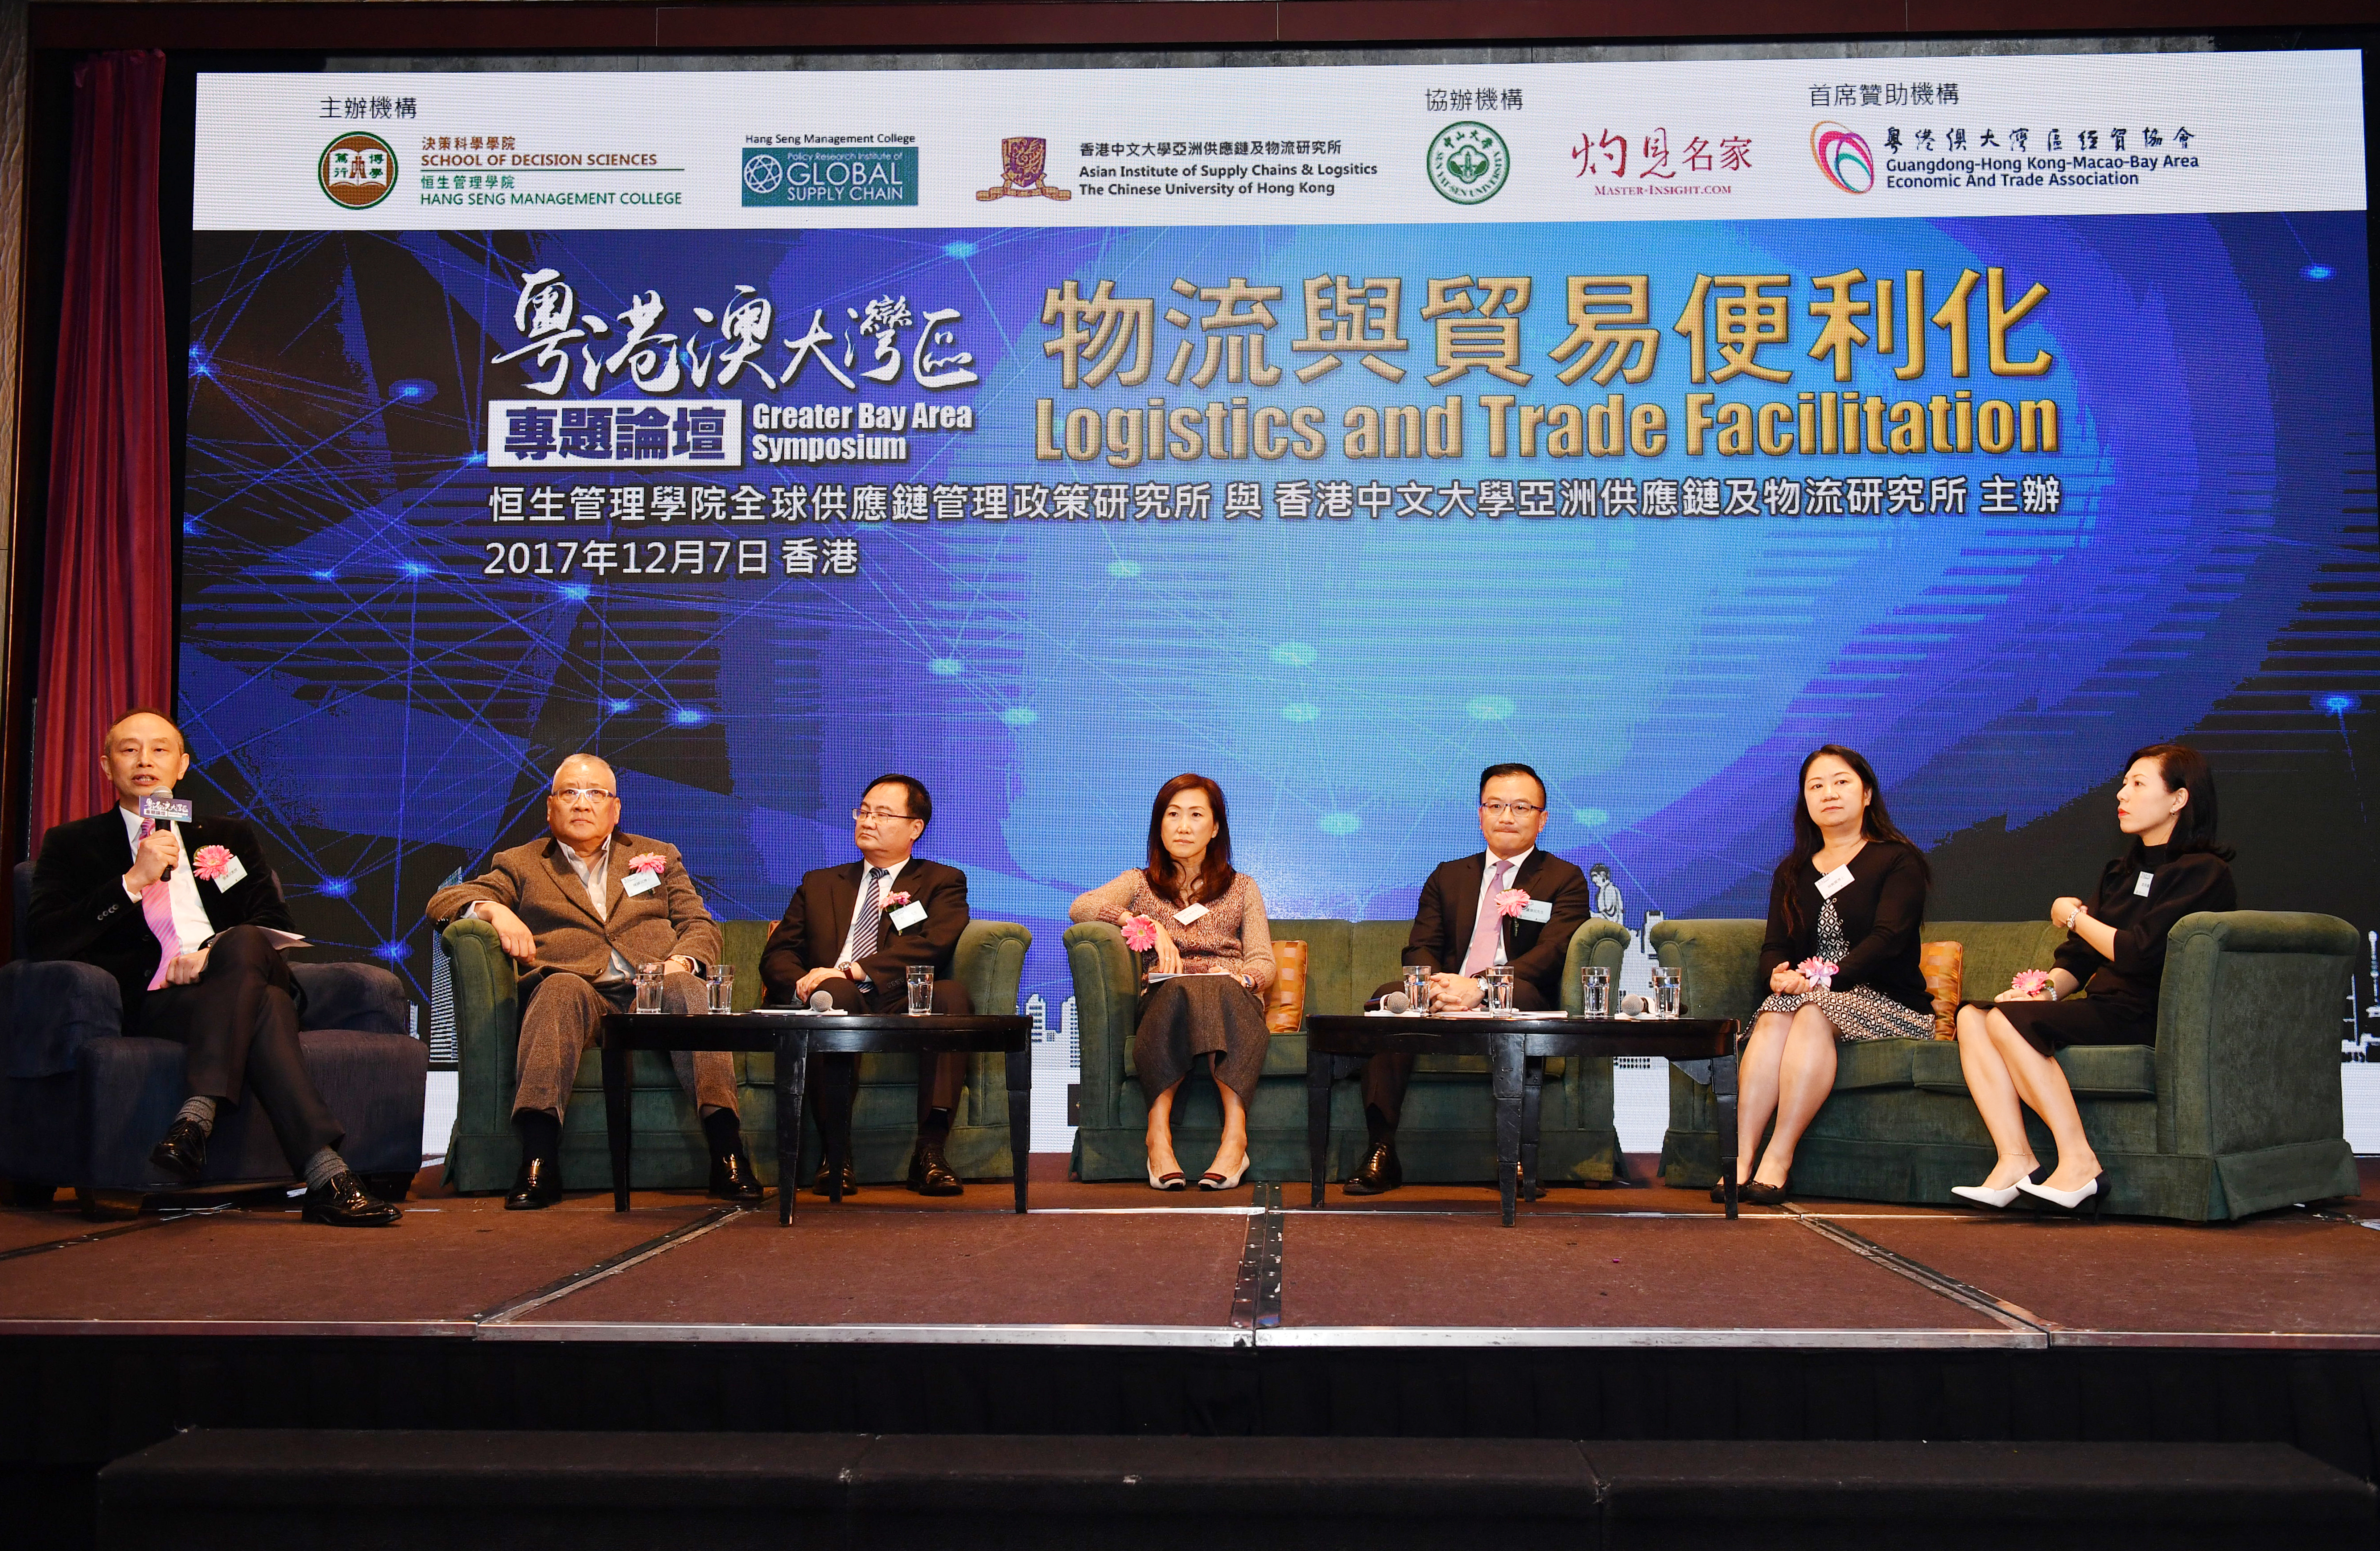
x: 1631, y: 1312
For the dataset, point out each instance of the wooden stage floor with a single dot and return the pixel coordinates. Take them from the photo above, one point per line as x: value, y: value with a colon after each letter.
x: 1119, y: 1266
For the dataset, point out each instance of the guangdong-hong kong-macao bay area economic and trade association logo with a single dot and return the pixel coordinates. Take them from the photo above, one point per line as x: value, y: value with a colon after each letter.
x: 1843, y: 156
x: 1467, y: 163
x: 357, y: 170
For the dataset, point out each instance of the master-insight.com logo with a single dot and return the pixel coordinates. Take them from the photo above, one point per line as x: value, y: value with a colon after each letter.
x: 1848, y: 165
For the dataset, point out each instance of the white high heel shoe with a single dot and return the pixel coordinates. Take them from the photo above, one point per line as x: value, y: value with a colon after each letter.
x: 1984, y: 1195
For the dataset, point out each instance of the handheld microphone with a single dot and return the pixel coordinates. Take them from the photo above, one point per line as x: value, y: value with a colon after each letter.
x: 166, y: 810
x: 822, y: 1002
x: 1633, y: 1004
x: 1396, y: 1001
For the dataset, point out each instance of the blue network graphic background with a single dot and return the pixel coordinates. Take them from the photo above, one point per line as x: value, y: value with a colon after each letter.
x: 388, y: 715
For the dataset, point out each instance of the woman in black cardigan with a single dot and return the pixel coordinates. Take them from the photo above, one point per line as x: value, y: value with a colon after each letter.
x: 1840, y: 958
x: 2114, y: 948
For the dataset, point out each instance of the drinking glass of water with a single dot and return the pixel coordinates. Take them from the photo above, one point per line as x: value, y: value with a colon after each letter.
x: 921, y: 989
x: 648, y: 988
x: 1416, y: 988
x: 1500, y: 989
x: 1595, y: 992
x: 721, y: 988
x: 1668, y: 992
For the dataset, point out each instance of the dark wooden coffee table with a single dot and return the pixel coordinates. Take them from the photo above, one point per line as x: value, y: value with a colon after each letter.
x: 793, y: 1038
x: 1517, y: 1049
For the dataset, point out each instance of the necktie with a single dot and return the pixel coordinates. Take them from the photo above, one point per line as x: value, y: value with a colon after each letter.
x: 1487, y: 932
x: 157, y: 909
x: 864, y: 921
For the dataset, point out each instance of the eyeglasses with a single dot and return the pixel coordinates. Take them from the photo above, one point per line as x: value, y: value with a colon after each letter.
x: 590, y: 794
x: 885, y: 814
x: 1518, y: 810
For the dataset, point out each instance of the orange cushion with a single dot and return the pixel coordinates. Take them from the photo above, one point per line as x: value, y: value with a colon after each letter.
x: 1285, y: 1002
x: 1943, y: 963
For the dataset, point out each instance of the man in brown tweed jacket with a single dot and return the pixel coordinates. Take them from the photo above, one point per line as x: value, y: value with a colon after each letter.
x: 580, y: 910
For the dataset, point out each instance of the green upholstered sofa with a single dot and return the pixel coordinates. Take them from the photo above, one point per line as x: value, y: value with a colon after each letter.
x: 484, y: 1153
x: 1446, y: 1132
x: 2235, y: 1108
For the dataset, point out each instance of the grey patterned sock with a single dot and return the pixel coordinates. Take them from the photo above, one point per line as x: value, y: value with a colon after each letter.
x: 322, y: 1168
x: 199, y: 1108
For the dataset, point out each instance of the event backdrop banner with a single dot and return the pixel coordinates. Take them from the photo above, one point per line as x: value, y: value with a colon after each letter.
x: 1331, y: 431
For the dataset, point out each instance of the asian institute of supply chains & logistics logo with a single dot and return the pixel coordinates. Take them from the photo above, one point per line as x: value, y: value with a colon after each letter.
x: 1843, y: 156
x: 1468, y: 163
x: 357, y: 170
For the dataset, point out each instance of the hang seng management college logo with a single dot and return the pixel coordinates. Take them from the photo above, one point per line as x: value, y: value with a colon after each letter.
x: 357, y: 170
x: 1848, y: 165
x: 1468, y: 162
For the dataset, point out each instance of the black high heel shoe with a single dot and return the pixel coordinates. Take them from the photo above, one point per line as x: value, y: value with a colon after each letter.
x: 2073, y: 1203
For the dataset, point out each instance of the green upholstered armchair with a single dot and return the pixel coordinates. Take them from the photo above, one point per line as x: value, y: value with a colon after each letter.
x: 2234, y: 1110
x: 1447, y: 1133
x: 484, y: 1153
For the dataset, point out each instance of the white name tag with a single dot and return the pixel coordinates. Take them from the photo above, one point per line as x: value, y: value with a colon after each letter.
x: 2140, y: 884
x: 907, y: 917
x: 1537, y: 909
x: 231, y: 875
x: 1185, y: 917
x: 1835, y: 882
x: 641, y: 883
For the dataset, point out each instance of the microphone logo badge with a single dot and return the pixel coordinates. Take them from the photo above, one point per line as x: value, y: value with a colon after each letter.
x: 167, y: 810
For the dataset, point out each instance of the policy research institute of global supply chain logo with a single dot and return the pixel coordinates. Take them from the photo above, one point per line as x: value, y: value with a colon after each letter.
x: 1468, y: 162
x: 357, y: 170
x: 1843, y: 156
x: 793, y: 176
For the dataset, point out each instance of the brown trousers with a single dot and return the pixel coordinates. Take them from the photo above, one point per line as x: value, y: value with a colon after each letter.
x: 564, y: 1018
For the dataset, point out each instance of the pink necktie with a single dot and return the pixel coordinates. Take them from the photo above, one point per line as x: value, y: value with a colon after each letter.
x: 157, y: 908
x: 1487, y: 932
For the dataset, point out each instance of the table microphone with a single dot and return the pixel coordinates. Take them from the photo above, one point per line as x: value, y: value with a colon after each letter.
x: 822, y: 1002
x: 1633, y: 1004
x: 1394, y: 1001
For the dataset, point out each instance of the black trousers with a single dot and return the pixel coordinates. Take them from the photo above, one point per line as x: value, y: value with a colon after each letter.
x: 1385, y: 1076
x: 833, y: 1080
x: 238, y: 1026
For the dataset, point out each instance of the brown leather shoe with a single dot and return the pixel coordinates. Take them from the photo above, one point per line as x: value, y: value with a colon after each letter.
x: 930, y: 1173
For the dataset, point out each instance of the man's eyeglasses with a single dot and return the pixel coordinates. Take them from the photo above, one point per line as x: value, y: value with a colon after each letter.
x: 884, y: 814
x: 589, y: 794
x: 1518, y: 810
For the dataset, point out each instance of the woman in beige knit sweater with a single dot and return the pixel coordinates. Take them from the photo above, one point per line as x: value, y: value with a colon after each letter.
x: 1203, y: 980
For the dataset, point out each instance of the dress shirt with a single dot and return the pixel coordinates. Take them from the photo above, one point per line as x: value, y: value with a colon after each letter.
x: 190, y: 922
x: 884, y: 887
x: 596, y: 878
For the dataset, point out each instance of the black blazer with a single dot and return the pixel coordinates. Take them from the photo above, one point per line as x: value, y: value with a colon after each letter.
x: 819, y: 917
x: 79, y: 910
x: 1882, y: 910
x: 2178, y: 885
x: 1449, y: 905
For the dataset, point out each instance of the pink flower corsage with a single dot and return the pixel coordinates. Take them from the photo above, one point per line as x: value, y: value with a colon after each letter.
x: 894, y: 902
x: 1139, y: 933
x: 2029, y: 982
x: 1512, y: 902
x: 1819, y: 973
x: 212, y: 862
x: 647, y: 861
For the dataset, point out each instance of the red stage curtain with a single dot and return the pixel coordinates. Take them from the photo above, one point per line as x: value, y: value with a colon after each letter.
x: 107, y: 598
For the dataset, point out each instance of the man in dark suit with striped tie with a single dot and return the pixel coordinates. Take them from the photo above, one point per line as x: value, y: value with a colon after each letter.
x: 853, y: 931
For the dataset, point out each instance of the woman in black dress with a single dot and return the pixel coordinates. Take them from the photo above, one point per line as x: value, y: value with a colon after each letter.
x: 2115, y: 949
x: 1851, y: 896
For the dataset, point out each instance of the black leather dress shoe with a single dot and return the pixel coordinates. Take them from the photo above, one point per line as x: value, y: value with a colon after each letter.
x: 731, y: 1179
x: 850, y: 1181
x: 344, y: 1202
x: 537, y: 1187
x: 1381, y: 1172
x: 183, y: 1149
x: 930, y: 1173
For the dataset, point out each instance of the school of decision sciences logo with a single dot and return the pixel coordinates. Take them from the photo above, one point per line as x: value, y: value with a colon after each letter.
x: 1843, y: 156
x: 830, y: 175
x: 1468, y: 162
x: 357, y: 170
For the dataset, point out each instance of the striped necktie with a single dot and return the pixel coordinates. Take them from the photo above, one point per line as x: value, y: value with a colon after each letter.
x: 864, y: 921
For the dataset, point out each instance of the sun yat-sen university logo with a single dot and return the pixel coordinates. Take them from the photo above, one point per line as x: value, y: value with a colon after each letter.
x: 1468, y: 162
x: 1843, y: 156
x: 357, y: 170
